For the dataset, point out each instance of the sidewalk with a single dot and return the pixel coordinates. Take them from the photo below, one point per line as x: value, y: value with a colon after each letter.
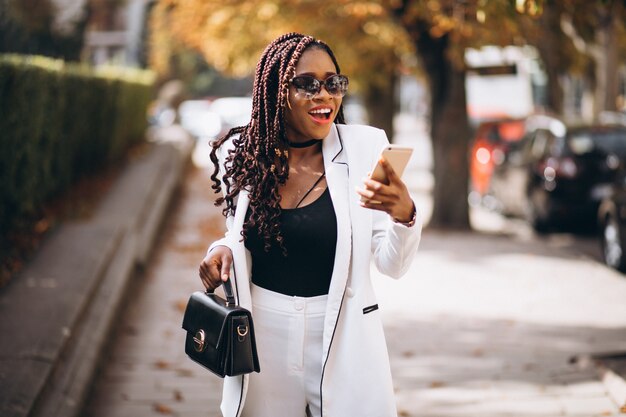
x: 495, y: 323
x: 57, y: 315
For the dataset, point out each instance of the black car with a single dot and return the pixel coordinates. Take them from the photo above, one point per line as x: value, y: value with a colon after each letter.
x: 612, y: 223
x: 560, y: 174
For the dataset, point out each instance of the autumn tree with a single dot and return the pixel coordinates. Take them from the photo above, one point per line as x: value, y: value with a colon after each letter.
x: 597, y: 30
x: 231, y: 36
x: 587, y: 39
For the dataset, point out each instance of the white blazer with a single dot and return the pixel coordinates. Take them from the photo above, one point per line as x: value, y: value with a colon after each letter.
x: 356, y: 377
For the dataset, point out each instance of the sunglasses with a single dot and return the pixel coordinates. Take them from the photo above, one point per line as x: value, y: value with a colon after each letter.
x: 309, y: 87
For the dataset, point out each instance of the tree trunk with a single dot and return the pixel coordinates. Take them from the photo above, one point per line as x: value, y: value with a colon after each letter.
x: 450, y: 133
x: 548, y: 51
x: 381, y: 105
x: 607, y: 59
x: 549, y: 48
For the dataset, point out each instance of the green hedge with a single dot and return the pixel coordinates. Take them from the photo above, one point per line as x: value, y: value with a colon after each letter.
x: 60, y: 121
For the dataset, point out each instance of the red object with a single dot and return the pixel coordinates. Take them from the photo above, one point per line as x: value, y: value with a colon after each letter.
x: 490, y: 145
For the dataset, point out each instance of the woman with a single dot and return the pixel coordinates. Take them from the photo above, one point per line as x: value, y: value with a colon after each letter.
x: 303, y: 224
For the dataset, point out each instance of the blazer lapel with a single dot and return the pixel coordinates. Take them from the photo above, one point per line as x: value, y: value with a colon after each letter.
x: 337, y: 176
x: 239, y: 251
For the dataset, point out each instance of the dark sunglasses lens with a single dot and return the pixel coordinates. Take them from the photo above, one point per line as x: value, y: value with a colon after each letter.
x: 307, y: 84
x: 337, y: 85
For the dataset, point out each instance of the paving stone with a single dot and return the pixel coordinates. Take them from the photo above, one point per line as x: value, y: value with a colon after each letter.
x: 589, y: 406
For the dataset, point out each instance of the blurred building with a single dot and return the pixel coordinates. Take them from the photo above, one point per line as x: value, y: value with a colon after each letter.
x: 503, y: 82
x: 116, y: 32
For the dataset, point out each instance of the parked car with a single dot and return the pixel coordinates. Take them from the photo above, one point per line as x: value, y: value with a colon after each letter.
x: 196, y: 116
x: 492, y: 142
x: 561, y: 172
x: 612, y: 223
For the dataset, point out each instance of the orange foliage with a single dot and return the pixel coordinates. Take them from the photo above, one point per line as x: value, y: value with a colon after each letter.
x: 231, y: 35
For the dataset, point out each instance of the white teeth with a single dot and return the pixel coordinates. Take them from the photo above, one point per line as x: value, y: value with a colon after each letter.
x: 321, y: 111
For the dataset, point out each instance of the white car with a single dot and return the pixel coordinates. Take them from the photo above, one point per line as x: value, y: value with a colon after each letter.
x: 196, y: 116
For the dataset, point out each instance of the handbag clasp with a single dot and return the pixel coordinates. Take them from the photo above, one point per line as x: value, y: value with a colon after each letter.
x: 198, y: 341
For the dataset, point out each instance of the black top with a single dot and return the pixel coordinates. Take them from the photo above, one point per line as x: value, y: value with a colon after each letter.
x: 310, y: 236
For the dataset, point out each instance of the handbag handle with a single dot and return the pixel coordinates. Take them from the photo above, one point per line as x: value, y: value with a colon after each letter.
x: 228, y: 291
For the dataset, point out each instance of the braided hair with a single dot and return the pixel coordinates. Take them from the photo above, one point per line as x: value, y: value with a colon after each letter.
x: 258, y: 160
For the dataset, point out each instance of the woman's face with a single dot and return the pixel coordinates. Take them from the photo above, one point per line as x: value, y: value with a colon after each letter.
x: 311, y: 118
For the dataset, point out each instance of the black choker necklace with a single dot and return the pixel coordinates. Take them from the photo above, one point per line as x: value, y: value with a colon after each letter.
x: 304, y: 144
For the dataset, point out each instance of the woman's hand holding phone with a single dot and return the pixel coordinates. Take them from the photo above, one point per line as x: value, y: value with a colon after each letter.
x: 392, y: 198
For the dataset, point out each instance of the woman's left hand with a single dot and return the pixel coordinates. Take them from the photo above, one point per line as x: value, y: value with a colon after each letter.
x: 394, y: 199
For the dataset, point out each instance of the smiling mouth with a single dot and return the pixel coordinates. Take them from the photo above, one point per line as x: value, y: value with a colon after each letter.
x: 321, y: 114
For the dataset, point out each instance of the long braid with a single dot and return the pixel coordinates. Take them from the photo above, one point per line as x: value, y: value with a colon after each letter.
x: 257, y: 161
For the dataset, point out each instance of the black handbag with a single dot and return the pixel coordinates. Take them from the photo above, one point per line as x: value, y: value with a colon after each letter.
x: 220, y: 334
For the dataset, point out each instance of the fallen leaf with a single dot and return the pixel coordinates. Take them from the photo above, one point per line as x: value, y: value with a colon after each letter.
x: 477, y: 353
x: 198, y: 247
x: 184, y: 372
x: 181, y: 305
x: 403, y: 413
x: 161, y: 364
x: 178, y: 396
x: 408, y: 354
x: 437, y: 384
x: 162, y: 408
x: 213, y: 226
x: 622, y: 409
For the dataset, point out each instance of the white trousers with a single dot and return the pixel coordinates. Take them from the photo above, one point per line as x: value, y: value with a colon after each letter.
x: 289, y: 332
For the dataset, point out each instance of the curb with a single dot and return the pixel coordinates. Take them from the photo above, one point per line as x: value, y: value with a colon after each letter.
x: 615, y: 386
x: 59, y: 313
x: 610, y: 368
x: 608, y: 372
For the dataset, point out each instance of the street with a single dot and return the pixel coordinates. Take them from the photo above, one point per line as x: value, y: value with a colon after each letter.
x: 483, y: 324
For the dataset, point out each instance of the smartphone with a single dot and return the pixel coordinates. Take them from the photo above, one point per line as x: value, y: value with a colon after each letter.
x: 397, y: 156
